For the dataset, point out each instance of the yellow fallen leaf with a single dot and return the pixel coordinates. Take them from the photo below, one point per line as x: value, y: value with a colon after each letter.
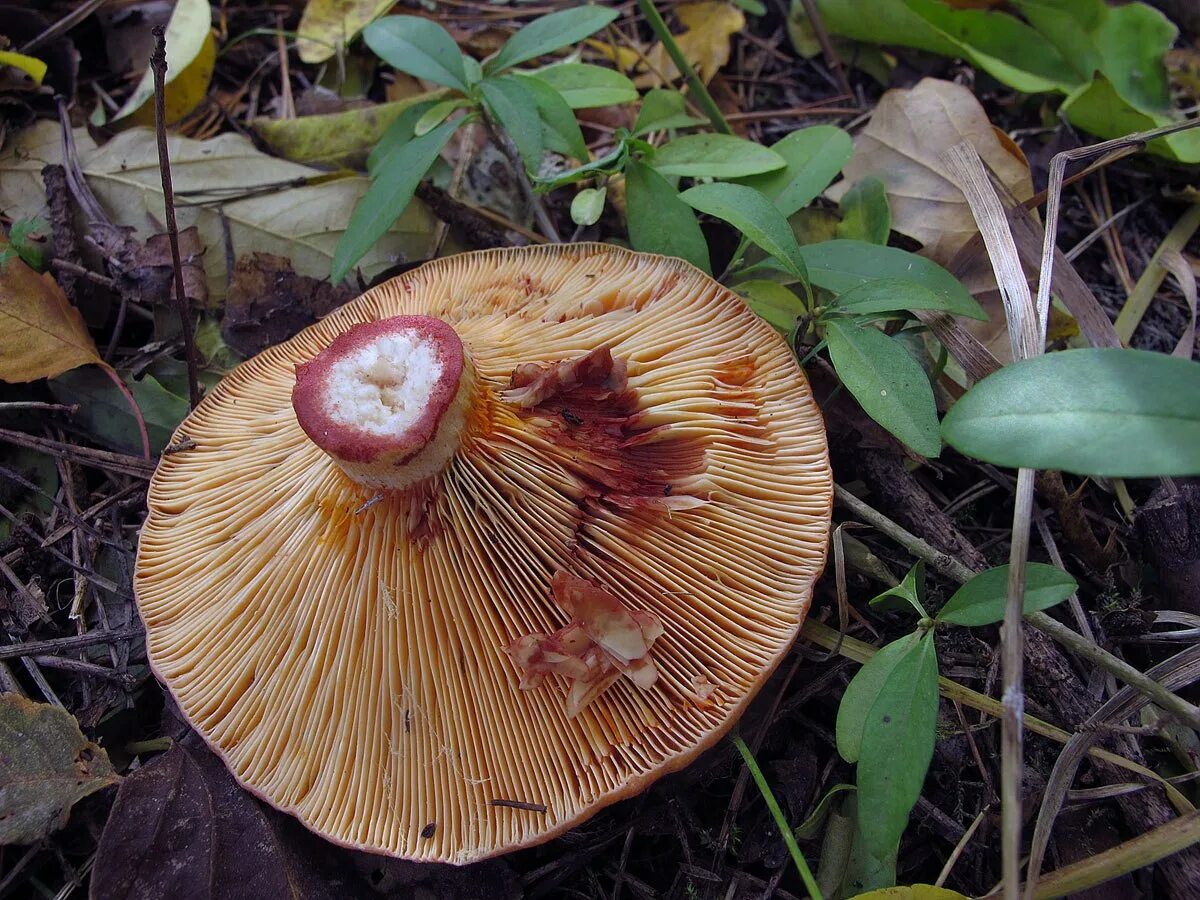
x: 903, y: 145
x: 626, y: 60
x: 915, y: 892
x: 41, y: 333
x: 704, y: 42
x: 30, y: 65
x: 329, y: 24
x: 191, y: 56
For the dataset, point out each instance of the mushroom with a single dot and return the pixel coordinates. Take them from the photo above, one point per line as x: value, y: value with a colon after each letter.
x: 489, y: 548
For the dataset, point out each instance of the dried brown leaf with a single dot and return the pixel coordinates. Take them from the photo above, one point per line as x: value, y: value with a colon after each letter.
x: 704, y: 42
x: 46, y: 766
x: 903, y: 145
x: 41, y: 333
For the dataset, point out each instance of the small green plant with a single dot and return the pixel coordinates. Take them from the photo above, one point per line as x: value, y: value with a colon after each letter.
x: 25, y: 241
x: 533, y: 109
x: 887, y: 719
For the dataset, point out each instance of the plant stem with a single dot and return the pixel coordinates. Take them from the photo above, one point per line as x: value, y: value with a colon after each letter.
x: 701, y: 95
x: 785, y: 830
x: 501, y: 140
x: 1012, y: 650
x: 158, y: 63
x: 953, y: 569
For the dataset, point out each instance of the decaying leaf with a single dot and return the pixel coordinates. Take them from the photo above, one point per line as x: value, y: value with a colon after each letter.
x: 903, y: 144
x: 708, y: 28
x: 46, y: 766
x: 335, y: 140
x: 327, y: 25
x: 224, y: 186
x: 191, y: 57
x: 268, y: 302
x: 41, y: 333
x: 182, y: 827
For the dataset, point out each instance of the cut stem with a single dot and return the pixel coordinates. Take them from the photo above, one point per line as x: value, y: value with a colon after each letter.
x: 158, y: 64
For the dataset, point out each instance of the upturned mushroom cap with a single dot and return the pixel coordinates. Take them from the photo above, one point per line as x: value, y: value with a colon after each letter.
x: 631, y: 522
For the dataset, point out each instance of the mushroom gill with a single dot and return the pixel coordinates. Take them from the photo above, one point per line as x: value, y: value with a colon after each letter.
x: 343, y: 647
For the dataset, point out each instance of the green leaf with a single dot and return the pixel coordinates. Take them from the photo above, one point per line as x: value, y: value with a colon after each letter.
x: 659, y: 221
x: 887, y: 381
x: 560, y: 130
x: 866, y: 215
x: 714, y: 156
x: 588, y: 206
x: 420, y: 47
x: 840, y: 265
x: 46, y: 767
x: 754, y: 216
x: 663, y: 109
x: 862, y: 692
x: 395, y: 181
x: 400, y: 132
x: 888, y: 295
x: 1002, y: 45
x: 104, y: 413
x: 814, y: 157
x: 1108, y: 412
x: 1098, y: 108
x: 437, y: 114
x: 981, y: 600
x: 549, y: 33
x: 584, y: 86
x: 897, y: 745
x: 513, y: 104
x: 773, y: 302
x: 908, y: 593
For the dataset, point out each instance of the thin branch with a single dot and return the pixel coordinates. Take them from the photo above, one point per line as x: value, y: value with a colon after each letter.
x: 703, y: 98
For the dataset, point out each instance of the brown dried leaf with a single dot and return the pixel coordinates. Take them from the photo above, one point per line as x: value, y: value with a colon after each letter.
x: 41, y: 333
x: 903, y: 145
x: 182, y: 827
x: 46, y: 766
x: 705, y: 41
x: 268, y: 302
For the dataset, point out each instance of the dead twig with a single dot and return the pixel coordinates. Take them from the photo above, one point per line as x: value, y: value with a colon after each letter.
x: 158, y: 64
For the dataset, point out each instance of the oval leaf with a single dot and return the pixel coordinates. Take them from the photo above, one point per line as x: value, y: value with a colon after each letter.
x: 436, y: 115
x: 46, y: 765
x: 866, y: 215
x: 584, y: 86
x: 753, y: 215
x: 714, y: 156
x: 773, y: 302
x: 897, y: 745
x: 840, y: 265
x: 1107, y: 412
x: 420, y: 47
x: 560, y: 129
x: 862, y: 692
x: 662, y: 109
x: 981, y: 600
x: 814, y: 157
x: 889, y: 295
x: 659, y: 221
x: 390, y: 192
x: 191, y: 57
x: 512, y: 103
x: 587, y: 206
x: 888, y: 383
x: 548, y: 33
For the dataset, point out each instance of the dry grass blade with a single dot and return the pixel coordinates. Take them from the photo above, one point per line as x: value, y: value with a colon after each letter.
x: 1026, y: 330
x: 1144, y: 850
x: 1177, y: 672
x: 1156, y: 270
x: 1174, y: 263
